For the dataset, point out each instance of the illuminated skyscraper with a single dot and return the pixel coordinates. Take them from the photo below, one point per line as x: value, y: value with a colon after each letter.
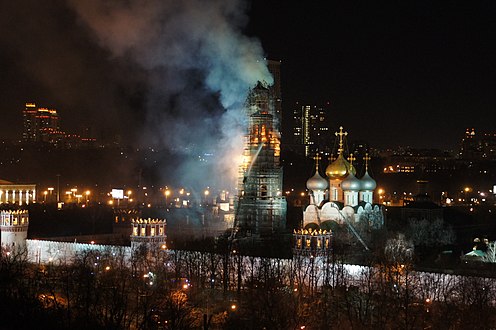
x: 40, y: 124
x: 311, y: 130
x: 261, y: 208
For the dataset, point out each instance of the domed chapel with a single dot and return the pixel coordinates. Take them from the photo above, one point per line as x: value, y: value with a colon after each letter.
x: 342, y: 197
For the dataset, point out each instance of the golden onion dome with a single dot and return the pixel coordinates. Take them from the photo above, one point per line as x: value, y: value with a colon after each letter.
x: 338, y: 169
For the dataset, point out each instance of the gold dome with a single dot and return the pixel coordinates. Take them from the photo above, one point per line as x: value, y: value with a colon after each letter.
x: 338, y: 169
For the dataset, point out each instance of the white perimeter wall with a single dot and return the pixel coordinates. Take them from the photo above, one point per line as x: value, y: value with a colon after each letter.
x: 64, y: 252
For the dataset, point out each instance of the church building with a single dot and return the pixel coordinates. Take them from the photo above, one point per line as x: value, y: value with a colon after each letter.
x: 342, y: 197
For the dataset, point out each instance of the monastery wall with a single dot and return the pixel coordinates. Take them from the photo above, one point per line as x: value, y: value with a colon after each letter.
x: 40, y: 251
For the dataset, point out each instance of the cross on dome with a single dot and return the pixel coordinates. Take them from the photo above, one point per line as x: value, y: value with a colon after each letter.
x: 366, y: 159
x: 351, y: 159
x: 341, y: 134
x: 317, y: 158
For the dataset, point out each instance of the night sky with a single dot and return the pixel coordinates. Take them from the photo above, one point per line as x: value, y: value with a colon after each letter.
x: 400, y: 73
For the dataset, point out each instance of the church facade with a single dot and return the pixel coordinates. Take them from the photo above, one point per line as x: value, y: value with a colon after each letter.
x: 340, y: 198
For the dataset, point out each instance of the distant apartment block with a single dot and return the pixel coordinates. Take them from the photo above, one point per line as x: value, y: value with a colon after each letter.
x: 42, y: 126
x: 478, y: 146
x: 311, y: 132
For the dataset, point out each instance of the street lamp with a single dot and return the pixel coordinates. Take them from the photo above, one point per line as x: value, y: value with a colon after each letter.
x: 206, y: 193
x: 50, y: 191
x: 87, y: 193
x: 58, y: 188
x: 78, y: 198
x: 167, y: 193
x: 45, y: 193
x: 129, y: 199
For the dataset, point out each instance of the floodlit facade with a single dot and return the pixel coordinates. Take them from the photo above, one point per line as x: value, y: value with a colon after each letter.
x: 149, y: 233
x: 342, y: 197
x: 19, y: 194
x: 14, y: 230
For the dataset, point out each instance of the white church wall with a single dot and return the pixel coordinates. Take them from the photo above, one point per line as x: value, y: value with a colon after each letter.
x: 330, y: 212
x: 310, y: 215
x: 349, y: 213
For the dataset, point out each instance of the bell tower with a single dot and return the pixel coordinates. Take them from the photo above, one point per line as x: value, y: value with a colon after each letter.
x: 261, y: 207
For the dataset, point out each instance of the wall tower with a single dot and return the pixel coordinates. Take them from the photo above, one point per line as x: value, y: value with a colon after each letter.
x: 149, y: 233
x: 14, y: 230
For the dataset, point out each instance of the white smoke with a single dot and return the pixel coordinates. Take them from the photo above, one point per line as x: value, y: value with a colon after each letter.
x: 200, y: 68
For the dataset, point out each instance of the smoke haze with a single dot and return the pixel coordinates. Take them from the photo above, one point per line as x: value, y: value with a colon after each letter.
x: 199, y: 68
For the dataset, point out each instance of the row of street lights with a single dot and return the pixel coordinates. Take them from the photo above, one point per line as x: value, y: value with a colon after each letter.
x: 74, y: 193
x: 70, y: 194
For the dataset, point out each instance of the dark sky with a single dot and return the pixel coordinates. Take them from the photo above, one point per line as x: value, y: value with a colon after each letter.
x: 401, y: 72
x: 396, y: 73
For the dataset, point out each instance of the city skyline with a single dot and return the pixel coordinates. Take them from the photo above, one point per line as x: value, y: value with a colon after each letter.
x: 403, y: 74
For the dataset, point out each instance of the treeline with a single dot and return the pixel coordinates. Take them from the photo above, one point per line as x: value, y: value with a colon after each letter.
x: 210, y: 290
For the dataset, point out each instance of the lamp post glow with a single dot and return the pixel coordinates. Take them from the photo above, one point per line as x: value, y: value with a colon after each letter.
x: 129, y: 199
x: 206, y: 193
x: 166, y: 193
x: 58, y: 188
x: 50, y: 191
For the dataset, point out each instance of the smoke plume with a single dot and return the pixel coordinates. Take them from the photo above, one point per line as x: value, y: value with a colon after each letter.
x: 199, y: 67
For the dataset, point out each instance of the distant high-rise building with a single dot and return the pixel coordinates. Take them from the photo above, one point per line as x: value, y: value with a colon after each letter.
x: 40, y: 124
x: 29, y: 121
x: 468, y: 147
x: 311, y: 130
x: 261, y: 207
x: 478, y: 146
